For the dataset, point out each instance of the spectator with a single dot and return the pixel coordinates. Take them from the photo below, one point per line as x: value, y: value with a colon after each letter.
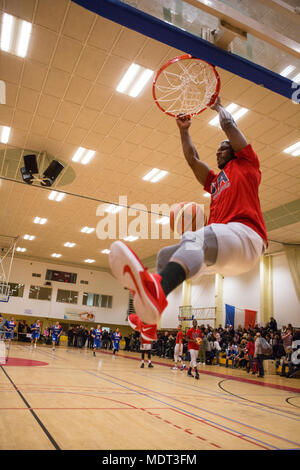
x: 258, y: 355
x: 70, y: 336
x: 273, y: 324
x: 216, y: 350
x: 202, y: 350
x: 230, y: 355
x: 250, y: 348
x: 287, y: 339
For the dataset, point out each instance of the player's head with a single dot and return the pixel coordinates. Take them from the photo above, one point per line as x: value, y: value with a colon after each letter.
x: 98, y: 327
x: 179, y: 327
x: 117, y: 330
x: 195, y: 323
x: 225, y: 153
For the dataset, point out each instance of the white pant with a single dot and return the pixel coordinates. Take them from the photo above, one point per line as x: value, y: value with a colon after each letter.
x: 194, y: 355
x: 178, y: 351
x: 239, y: 249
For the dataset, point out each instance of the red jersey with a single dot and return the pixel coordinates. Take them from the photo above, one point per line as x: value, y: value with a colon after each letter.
x: 234, y: 192
x: 191, y: 335
x: 179, y: 337
x: 145, y: 341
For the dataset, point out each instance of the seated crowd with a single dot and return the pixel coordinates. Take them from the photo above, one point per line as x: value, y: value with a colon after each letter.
x: 235, y: 346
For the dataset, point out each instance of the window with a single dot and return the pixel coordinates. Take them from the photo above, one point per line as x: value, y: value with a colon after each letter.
x: 97, y: 300
x: 40, y: 293
x: 16, y: 290
x: 67, y: 296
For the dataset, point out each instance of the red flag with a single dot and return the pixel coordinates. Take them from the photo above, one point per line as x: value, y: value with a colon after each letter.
x: 250, y: 317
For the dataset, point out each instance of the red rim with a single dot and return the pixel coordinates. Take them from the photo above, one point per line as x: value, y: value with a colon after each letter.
x: 184, y: 57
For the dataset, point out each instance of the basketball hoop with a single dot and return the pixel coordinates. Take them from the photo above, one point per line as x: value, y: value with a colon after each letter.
x: 186, y: 85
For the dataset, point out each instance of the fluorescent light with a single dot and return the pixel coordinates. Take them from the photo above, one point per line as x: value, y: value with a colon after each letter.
x: 106, y: 251
x: 83, y: 155
x: 140, y: 83
x: 29, y: 237
x: 296, y: 78
x: 159, y: 176
x: 21, y: 249
x: 89, y: 261
x: 87, y: 158
x: 293, y: 149
x: 15, y: 35
x: 237, y: 111
x: 87, y: 230
x: 55, y: 196
x: 287, y: 70
x: 23, y: 39
x: 5, y: 134
x: 127, y: 78
x: 130, y: 87
x: 240, y: 113
x: 69, y: 245
x: 112, y: 209
x: 131, y: 238
x: 155, y: 175
x: 163, y: 220
x: 39, y: 220
x: 56, y: 255
x: 7, y: 29
x: 206, y: 195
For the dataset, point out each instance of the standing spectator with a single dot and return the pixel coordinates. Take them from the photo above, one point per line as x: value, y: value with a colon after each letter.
x: 216, y: 350
x: 258, y: 355
x: 90, y: 338
x: 287, y: 339
x: 250, y: 348
x: 164, y: 344
x: 273, y: 324
x: 46, y: 335
x: 70, y: 336
x: 76, y: 335
x: 178, y: 351
x: 202, y: 350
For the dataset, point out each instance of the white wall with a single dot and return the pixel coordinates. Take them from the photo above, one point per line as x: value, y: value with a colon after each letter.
x: 286, y: 304
x: 242, y: 291
x: 98, y: 283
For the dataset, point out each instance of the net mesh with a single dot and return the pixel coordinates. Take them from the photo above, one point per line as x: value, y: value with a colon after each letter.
x: 185, y: 87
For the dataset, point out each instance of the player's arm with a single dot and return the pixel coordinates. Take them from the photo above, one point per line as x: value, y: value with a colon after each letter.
x: 228, y: 125
x: 200, y: 169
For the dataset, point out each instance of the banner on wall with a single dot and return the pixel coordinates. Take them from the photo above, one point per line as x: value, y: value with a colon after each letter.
x: 237, y: 316
x: 79, y: 315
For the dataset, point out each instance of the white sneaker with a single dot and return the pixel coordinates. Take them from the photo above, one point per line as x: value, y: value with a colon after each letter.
x: 149, y: 299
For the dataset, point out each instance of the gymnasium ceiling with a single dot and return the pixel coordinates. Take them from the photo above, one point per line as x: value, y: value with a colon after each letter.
x: 63, y: 95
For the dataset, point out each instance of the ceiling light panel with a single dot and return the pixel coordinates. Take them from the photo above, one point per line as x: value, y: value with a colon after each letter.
x: 4, y: 134
x: 56, y: 255
x: 39, y: 220
x: 89, y: 261
x: 106, y: 251
x: 69, y: 244
x: 134, y: 80
x: 83, y: 155
x: 293, y: 150
x: 87, y: 229
x: 155, y: 175
x: 29, y: 237
x: 15, y: 35
x: 56, y: 196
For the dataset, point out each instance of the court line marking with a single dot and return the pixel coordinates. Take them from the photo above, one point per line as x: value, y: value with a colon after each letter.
x: 206, y: 421
x: 51, y: 439
x: 217, y: 414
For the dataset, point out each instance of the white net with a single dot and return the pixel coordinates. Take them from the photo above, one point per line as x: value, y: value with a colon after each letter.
x: 186, y: 87
x: 7, y: 252
x: 4, y: 347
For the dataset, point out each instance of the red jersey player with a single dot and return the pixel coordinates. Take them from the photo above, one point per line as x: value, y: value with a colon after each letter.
x: 231, y: 243
x: 193, y: 335
x: 178, y: 350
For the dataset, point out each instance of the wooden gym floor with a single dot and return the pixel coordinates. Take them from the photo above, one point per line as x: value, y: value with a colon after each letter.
x: 72, y: 400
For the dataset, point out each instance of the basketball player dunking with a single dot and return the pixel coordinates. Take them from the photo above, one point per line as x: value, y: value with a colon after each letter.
x: 231, y: 243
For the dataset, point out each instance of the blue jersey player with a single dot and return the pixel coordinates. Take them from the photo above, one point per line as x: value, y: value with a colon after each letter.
x: 116, y: 337
x: 97, y: 335
x: 10, y: 326
x: 35, y: 332
x: 56, y: 332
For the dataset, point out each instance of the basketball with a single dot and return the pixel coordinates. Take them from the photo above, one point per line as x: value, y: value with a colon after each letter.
x: 187, y: 216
